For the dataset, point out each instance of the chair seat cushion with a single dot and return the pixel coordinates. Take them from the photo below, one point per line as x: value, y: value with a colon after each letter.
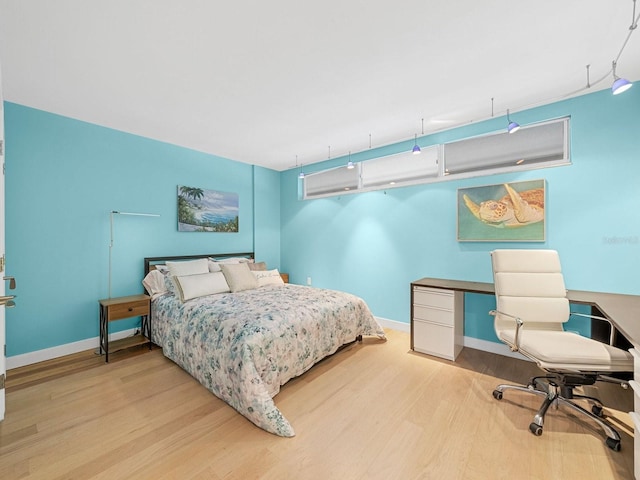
x: 569, y: 351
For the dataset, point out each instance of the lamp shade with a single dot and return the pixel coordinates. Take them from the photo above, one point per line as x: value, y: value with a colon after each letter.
x: 620, y: 85
x: 416, y: 148
x: 513, y: 127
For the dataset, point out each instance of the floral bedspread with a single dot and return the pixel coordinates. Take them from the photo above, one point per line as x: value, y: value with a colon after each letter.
x: 243, y: 346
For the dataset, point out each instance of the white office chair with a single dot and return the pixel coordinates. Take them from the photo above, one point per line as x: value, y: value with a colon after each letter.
x: 531, y: 308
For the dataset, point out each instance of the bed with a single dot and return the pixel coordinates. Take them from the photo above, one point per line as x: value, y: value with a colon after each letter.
x: 245, y: 340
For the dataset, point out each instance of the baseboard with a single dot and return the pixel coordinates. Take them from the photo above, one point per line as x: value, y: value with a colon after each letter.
x: 492, y: 347
x: 394, y: 324
x: 484, y: 345
x: 90, y: 343
x: 16, y: 361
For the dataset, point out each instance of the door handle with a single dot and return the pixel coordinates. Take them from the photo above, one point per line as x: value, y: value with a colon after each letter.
x: 7, y: 301
x: 12, y: 282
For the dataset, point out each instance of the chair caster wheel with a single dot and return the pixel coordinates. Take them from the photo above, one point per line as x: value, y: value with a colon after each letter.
x: 597, y: 410
x: 613, y: 444
x: 497, y: 394
x: 535, y: 429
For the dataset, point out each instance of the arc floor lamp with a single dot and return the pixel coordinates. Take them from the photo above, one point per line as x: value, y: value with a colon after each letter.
x: 111, y: 214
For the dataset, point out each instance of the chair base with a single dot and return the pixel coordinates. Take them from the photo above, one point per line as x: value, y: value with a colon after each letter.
x: 551, y: 395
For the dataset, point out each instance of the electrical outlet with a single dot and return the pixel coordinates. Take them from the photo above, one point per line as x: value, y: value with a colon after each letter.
x: 309, y: 281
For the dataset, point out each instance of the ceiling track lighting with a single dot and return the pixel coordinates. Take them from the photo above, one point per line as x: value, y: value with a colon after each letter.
x: 512, y: 126
x: 619, y: 84
x: 622, y: 84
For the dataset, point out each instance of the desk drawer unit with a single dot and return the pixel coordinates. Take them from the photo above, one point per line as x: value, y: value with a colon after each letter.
x: 437, y: 321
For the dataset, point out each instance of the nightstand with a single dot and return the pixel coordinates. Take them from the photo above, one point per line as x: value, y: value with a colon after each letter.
x: 285, y: 277
x: 112, y: 309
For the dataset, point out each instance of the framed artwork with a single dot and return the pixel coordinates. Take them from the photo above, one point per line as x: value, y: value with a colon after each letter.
x: 507, y: 212
x: 202, y: 210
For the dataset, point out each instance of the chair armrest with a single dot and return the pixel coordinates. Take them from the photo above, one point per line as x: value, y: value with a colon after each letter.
x: 516, y: 346
x: 612, y: 336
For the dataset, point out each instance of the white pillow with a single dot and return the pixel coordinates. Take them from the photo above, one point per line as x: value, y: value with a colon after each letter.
x: 154, y: 283
x: 190, y: 267
x: 233, y: 260
x: 257, y: 266
x: 214, y: 266
x: 200, y: 285
x: 163, y: 269
x: 239, y: 277
x: 268, y: 277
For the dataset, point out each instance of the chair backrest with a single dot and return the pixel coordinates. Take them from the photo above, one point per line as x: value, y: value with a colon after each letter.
x: 529, y: 285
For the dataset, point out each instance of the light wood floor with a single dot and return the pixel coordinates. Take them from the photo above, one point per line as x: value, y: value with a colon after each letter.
x: 373, y: 411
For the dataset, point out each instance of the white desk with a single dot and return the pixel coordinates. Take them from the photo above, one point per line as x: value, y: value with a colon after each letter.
x: 623, y: 311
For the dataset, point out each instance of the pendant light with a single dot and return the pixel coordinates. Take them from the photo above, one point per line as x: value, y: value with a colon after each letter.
x: 416, y: 148
x: 513, y: 126
x: 350, y: 164
x: 619, y: 84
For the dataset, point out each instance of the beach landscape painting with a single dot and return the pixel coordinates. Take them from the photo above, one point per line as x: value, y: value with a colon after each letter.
x: 201, y: 210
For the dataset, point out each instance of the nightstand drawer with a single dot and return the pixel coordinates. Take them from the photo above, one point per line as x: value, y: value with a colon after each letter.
x: 126, y: 310
x: 119, y: 308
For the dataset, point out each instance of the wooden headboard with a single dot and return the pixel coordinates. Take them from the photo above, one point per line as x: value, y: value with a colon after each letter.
x: 151, y: 262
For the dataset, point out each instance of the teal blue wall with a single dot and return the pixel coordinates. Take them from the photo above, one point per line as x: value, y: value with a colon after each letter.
x: 63, y: 177
x: 267, y: 216
x: 374, y: 244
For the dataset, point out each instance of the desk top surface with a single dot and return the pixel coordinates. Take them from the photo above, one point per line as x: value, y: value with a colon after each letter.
x: 622, y: 310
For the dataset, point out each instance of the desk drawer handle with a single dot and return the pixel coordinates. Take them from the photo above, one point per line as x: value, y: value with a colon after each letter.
x: 131, y: 309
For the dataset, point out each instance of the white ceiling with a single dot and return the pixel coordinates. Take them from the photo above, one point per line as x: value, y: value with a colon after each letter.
x: 263, y: 81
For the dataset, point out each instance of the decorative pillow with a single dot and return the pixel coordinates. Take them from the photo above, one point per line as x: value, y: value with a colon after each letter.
x: 214, y: 266
x: 268, y: 277
x: 154, y: 283
x: 190, y: 267
x: 239, y: 277
x: 163, y: 269
x: 200, y: 285
x: 258, y: 266
x: 233, y: 260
